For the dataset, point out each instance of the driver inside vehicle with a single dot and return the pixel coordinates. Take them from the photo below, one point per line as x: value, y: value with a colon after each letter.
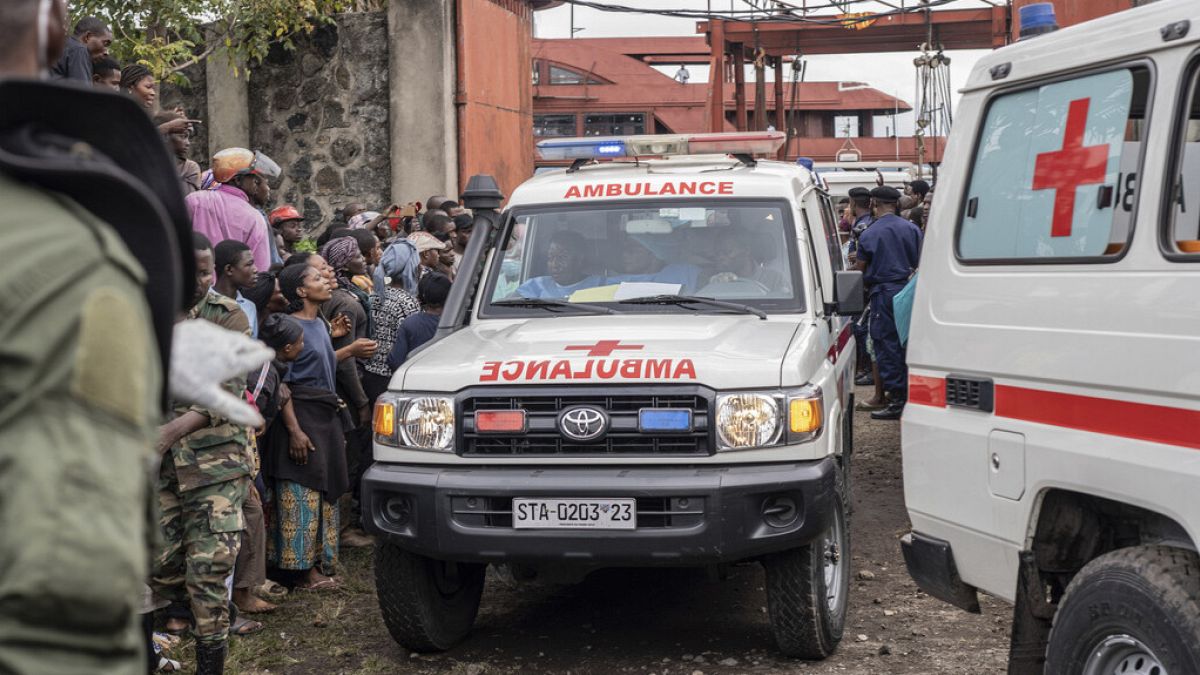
x: 740, y: 257
x: 566, y: 260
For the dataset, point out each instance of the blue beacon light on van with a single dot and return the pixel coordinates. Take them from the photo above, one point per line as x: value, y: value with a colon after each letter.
x: 665, y: 420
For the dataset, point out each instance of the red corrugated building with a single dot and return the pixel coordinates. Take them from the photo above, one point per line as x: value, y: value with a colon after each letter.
x: 607, y: 86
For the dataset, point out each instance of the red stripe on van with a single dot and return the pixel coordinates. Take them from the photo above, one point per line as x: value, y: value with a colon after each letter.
x: 925, y: 390
x: 1140, y: 421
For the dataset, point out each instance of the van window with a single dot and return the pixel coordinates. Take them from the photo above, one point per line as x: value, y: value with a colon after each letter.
x: 1055, y: 171
x: 1183, y: 225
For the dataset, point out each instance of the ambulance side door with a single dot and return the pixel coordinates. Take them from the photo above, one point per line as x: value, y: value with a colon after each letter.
x: 826, y: 249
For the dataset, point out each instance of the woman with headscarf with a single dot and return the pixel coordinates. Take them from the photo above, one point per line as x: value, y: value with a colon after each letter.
x: 350, y: 305
x: 350, y: 301
x: 391, y: 304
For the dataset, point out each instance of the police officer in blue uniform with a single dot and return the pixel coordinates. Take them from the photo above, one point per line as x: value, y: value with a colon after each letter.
x: 888, y: 252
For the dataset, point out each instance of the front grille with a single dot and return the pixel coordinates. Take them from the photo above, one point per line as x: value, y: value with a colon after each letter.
x: 653, y: 513
x: 543, y: 438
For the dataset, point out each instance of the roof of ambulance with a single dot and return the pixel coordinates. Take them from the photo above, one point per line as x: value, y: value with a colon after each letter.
x: 1109, y: 38
x: 766, y: 178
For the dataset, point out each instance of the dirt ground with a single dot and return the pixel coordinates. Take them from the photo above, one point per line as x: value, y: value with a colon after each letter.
x: 656, y: 622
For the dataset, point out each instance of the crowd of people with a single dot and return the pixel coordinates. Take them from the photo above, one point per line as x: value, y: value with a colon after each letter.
x: 247, y: 515
x: 340, y: 320
x: 882, y: 230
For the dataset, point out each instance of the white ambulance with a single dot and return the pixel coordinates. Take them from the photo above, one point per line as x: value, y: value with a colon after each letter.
x: 644, y: 362
x: 1050, y: 440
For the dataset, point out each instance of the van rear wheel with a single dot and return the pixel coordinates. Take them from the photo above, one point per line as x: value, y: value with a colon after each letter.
x: 427, y: 605
x: 1134, y: 611
x: 808, y: 590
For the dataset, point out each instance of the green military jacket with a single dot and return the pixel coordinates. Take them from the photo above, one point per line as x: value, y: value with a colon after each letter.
x: 79, y: 387
x: 220, y: 451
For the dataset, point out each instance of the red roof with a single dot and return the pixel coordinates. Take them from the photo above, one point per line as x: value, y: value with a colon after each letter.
x: 634, y: 84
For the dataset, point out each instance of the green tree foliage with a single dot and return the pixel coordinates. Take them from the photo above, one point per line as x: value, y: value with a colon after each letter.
x: 169, y: 35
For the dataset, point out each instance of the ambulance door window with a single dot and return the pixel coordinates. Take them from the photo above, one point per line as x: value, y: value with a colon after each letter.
x: 1054, y: 174
x: 832, y: 242
x: 1181, y: 235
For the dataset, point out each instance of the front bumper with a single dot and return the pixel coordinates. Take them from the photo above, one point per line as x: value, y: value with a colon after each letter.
x: 687, y: 515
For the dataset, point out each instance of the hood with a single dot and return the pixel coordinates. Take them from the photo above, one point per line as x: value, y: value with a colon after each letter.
x: 718, y: 351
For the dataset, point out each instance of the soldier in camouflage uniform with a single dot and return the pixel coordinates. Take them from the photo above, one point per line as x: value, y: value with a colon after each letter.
x: 203, y: 483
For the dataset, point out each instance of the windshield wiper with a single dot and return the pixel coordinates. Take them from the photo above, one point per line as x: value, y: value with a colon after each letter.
x: 694, y: 300
x: 551, y: 305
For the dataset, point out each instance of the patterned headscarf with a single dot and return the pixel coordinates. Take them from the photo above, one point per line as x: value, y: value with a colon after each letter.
x: 338, y: 253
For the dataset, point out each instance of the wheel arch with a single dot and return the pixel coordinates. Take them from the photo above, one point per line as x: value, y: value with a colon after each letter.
x: 1069, y: 528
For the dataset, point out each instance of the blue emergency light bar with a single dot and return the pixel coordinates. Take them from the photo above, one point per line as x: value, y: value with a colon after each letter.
x: 607, y: 147
x: 677, y: 420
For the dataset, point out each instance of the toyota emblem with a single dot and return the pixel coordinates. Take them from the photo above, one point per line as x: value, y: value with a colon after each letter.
x: 583, y: 423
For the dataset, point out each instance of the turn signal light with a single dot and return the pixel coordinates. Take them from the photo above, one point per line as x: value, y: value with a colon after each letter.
x: 500, y: 421
x: 385, y: 419
x: 804, y: 415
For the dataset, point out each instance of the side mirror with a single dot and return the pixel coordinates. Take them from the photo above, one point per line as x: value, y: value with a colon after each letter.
x: 848, y: 292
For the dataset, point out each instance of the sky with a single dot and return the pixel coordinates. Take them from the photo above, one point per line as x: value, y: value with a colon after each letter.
x: 892, y: 73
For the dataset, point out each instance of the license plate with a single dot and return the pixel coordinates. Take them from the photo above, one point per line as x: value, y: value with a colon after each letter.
x: 574, y: 514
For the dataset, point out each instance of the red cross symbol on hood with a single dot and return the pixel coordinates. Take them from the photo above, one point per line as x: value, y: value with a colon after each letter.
x: 1065, y: 170
x: 603, y: 347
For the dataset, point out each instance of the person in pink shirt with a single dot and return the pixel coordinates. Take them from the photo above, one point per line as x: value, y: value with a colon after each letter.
x: 231, y: 209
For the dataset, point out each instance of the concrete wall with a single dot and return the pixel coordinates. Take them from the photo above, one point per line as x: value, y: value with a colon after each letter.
x: 495, y: 92
x: 422, y: 114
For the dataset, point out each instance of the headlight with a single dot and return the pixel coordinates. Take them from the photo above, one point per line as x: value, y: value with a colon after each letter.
x: 747, y: 421
x: 417, y: 422
x: 761, y: 419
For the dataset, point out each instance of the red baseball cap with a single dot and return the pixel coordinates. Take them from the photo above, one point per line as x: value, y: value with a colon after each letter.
x: 285, y: 212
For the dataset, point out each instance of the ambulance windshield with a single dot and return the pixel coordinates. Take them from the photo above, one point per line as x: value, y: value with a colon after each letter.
x: 741, y: 252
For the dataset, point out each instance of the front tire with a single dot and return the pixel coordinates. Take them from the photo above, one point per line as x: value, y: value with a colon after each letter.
x: 808, y: 589
x: 1134, y: 611
x: 427, y: 605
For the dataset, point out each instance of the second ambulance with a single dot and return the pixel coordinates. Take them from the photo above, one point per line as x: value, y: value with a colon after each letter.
x: 646, y: 362
x: 1051, y: 435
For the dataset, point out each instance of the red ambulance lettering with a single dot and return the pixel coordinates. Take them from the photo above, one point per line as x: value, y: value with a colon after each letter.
x: 536, y: 370
x: 490, y: 371
x: 657, y: 369
x: 593, y: 368
x: 561, y: 370
x: 648, y: 190
x: 512, y: 370
x: 685, y: 368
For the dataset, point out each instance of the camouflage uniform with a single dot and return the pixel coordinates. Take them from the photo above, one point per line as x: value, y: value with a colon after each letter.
x: 79, y: 386
x: 202, y: 486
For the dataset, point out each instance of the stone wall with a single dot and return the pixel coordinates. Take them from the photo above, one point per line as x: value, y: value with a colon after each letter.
x: 321, y: 111
x: 193, y: 97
